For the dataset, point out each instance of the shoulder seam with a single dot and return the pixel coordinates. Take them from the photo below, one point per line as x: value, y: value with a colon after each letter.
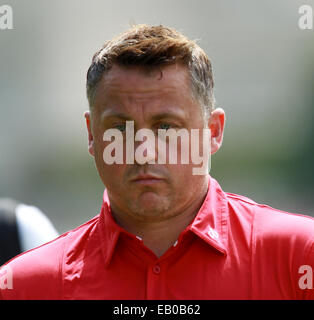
x: 267, y: 206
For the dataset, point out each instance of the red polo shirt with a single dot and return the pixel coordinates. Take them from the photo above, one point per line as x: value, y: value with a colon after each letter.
x: 233, y: 249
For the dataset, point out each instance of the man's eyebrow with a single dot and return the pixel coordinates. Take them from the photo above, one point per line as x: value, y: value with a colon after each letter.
x: 156, y: 117
x: 164, y: 115
x: 108, y: 115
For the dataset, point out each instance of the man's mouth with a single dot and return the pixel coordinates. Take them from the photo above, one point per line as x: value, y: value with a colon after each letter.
x: 146, y: 179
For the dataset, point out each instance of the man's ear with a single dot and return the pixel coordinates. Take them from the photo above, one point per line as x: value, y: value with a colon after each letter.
x: 90, y: 135
x: 216, y: 124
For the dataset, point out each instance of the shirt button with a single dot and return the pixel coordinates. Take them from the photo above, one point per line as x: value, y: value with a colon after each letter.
x: 156, y: 268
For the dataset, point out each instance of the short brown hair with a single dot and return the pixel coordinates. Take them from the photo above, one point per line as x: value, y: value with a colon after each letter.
x: 153, y: 47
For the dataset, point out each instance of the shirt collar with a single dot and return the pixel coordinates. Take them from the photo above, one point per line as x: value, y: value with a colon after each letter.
x: 109, y: 230
x: 210, y: 223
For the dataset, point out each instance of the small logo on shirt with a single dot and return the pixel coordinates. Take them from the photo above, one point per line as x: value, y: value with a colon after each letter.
x: 213, y: 233
x: 6, y: 278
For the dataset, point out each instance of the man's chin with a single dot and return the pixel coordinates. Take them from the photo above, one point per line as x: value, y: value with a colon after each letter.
x: 150, y: 204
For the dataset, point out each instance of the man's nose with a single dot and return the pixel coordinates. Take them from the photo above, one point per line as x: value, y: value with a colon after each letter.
x: 145, y: 147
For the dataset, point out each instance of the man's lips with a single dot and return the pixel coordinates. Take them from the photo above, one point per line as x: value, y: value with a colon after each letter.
x: 147, y: 179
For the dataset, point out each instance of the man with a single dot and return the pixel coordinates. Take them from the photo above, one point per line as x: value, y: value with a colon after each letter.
x: 164, y: 232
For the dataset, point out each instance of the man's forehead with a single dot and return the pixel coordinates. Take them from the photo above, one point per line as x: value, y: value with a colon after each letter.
x: 136, y: 79
x: 133, y: 92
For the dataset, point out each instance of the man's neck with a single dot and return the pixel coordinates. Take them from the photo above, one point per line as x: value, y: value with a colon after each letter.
x: 160, y: 236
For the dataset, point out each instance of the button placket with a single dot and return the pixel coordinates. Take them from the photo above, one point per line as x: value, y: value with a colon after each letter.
x: 156, y: 268
x: 155, y: 282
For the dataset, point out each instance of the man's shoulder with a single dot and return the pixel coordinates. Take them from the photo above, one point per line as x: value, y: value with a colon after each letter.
x: 271, y: 226
x: 32, y: 273
x: 40, y: 269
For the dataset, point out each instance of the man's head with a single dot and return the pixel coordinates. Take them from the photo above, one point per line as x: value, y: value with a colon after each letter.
x: 153, y: 48
x: 158, y: 79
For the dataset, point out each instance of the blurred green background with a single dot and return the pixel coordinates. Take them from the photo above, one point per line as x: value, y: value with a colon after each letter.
x: 263, y: 68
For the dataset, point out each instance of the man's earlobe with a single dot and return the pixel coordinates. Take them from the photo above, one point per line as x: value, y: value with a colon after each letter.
x: 90, y: 135
x: 91, y: 148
